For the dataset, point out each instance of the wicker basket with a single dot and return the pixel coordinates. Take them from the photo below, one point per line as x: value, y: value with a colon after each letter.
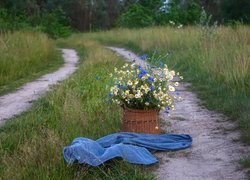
x: 141, y: 121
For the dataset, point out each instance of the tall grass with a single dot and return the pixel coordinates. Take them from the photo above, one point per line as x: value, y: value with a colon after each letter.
x: 217, y: 62
x: 24, y: 56
x: 223, y: 54
x: 31, y: 145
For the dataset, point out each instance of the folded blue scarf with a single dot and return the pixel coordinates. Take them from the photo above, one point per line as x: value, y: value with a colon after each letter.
x: 132, y: 147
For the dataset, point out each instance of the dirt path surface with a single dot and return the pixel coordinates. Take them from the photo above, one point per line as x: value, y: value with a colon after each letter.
x: 19, y: 101
x: 216, y: 149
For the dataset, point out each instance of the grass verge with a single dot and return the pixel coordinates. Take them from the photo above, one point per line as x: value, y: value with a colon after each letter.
x: 31, y: 144
x: 25, y: 56
x: 246, y: 165
x: 216, y: 61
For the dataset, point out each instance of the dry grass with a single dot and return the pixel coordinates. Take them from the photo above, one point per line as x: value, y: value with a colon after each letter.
x: 223, y: 54
x: 24, y: 56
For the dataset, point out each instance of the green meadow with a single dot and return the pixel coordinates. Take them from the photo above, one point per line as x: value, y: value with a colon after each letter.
x: 216, y: 62
x: 25, y: 56
x: 31, y: 144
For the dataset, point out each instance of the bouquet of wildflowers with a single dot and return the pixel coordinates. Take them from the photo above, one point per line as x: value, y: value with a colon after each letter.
x: 144, y: 88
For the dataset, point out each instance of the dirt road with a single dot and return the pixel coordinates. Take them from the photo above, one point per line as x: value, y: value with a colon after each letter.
x: 216, y: 149
x: 19, y: 101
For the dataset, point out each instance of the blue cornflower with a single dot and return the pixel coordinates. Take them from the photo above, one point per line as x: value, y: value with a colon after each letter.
x: 143, y: 57
x: 150, y: 79
x: 177, y: 93
x: 161, y: 64
x: 97, y: 77
x: 125, y: 87
x: 110, y: 94
x: 153, y: 67
x: 118, y: 86
x: 142, y: 73
x: 152, y: 87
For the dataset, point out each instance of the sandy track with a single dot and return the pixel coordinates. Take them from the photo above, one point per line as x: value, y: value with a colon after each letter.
x: 19, y: 101
x: 216, y: 149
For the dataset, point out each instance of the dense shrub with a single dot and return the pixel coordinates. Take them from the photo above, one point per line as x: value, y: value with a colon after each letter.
x: 136, y: 16
x: 184, y: 13
x: 55, y: 23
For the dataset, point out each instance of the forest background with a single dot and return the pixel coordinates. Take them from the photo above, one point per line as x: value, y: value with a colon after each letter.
x: 59, y: 18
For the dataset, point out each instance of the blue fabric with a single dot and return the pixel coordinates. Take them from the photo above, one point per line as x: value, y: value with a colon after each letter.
x: 132, y: 147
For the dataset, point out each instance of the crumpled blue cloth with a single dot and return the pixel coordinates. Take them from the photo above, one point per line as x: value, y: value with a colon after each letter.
x: 132, y: 147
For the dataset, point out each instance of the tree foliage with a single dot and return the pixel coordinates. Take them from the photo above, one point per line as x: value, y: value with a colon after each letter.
x: 232, y: 10
x: 136, y: 16
x: 141, y: 13
x: 44, y: 15
x: 59, y: 17
x: 184, y: 12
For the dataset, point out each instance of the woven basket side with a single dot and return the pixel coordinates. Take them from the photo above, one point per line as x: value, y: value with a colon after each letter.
x: 141, y: 121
